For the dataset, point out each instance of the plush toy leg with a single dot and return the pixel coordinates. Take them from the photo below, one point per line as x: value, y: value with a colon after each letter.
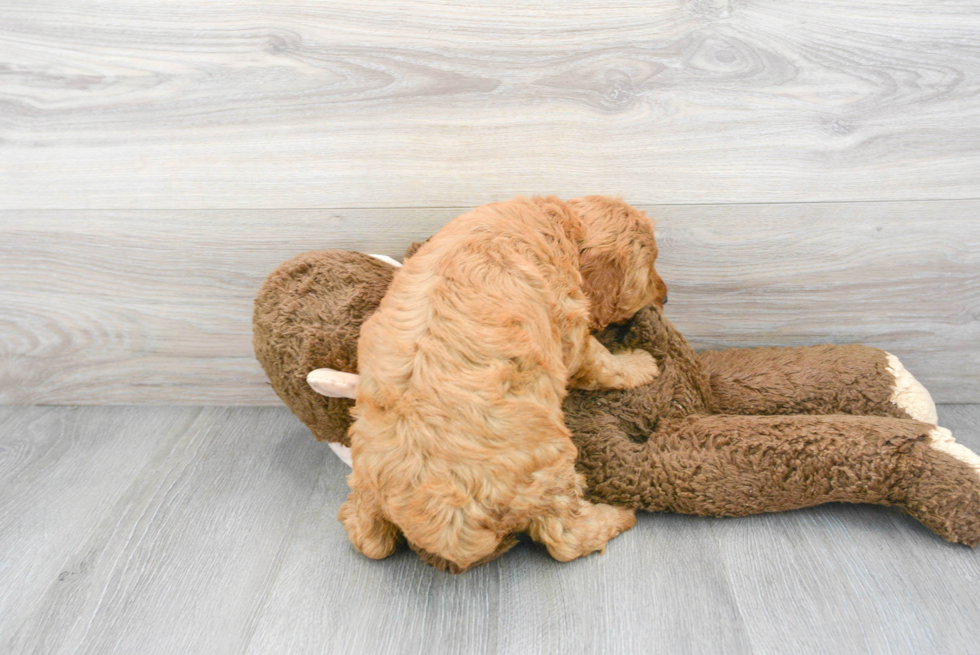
x: 944, y: 496
x: 737, y: 465
x: 850, y: 379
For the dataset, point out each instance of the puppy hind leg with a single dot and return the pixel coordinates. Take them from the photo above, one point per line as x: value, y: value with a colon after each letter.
x: 371, y: 533
x: 585, y: 529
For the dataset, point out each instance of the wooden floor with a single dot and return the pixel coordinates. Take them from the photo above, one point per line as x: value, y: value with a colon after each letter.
x: 213, y: 530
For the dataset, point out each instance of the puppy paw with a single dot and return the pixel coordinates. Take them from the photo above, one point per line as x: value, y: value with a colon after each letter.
x: 617, y: 519
x: 636, y: 368
x: 584, y: 532
x: 368, y: 532
x: 909, y: 394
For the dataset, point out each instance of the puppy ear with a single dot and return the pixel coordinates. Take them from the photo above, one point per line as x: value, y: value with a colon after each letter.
x: 602, y: 277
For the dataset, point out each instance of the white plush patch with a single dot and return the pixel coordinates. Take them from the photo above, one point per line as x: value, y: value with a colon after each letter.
x: 343, y: 452
x: 910, y: 395
x: 388, y: 260
x: 942, y: 440
x: 333, y: 384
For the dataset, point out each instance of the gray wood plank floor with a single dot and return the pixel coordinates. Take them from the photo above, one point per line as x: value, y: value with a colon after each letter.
x: 213, y: 530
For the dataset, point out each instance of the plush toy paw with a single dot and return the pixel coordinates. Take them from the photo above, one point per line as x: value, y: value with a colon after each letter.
x: 909, y: 394
x: 943, y: 441
x: 945, y: 496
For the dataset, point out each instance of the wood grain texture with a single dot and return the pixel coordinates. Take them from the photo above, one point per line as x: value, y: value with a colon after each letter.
x: 155, y: 306
x: 586, y: 608
x: 209, y: 103
x: 66, y: 473
x: 410, y: 608
x: 221, y: 536
x: 185, y: 558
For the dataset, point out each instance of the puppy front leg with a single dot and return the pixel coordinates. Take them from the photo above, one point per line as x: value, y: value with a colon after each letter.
x: 600, y: 369
x: 584, y: 530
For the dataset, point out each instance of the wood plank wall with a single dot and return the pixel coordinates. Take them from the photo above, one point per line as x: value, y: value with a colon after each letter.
x: 814, y: 167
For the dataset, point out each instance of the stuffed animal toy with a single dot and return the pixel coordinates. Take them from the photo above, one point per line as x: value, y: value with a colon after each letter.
x: 718, y: 433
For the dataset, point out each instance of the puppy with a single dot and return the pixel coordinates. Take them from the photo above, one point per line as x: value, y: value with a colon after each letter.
x: 458, y: 440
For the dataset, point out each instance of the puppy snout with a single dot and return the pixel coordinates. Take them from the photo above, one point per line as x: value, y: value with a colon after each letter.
x: 664, y: 300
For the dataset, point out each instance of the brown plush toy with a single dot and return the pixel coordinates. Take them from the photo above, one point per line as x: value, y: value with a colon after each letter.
x: 718, y: 433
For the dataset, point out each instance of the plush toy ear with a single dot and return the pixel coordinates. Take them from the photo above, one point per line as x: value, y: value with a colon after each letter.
x: 603, y: 280
x: 333, y: 384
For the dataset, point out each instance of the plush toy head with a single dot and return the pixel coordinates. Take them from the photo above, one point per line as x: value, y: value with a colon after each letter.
x: 308, y: 315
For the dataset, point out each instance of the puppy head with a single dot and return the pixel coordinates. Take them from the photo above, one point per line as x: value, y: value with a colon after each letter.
x: 617, y: 259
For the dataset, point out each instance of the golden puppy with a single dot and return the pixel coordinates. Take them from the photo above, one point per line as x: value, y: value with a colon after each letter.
x: 459, y: 440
